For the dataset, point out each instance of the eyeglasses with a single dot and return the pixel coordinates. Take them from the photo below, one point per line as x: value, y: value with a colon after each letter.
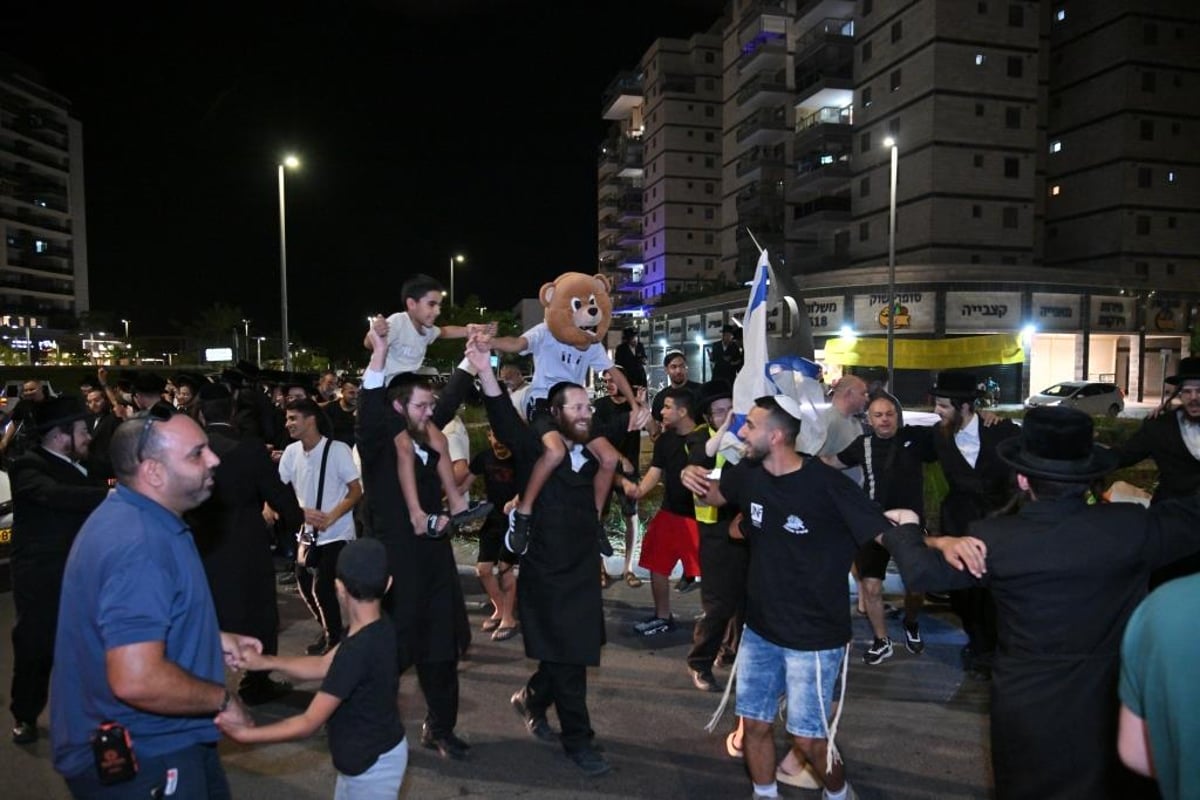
x: 159, y: 412
x: 579, y: 408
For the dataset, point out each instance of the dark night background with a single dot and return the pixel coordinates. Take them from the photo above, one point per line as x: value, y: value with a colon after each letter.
x: 425, y: 129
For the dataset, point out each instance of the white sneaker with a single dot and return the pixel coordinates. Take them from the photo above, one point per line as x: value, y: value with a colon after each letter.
x: 804, y: 779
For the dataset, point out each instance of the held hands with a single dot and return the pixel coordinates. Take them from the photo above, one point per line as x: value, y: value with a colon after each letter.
x: 478, y: 353
x: 964, y: 553
x: 235, y: 721
x: 639, y: 415
x: 378, y: 332
x: 695, y: 479
x: 902, y: 516
x: 235, y: 647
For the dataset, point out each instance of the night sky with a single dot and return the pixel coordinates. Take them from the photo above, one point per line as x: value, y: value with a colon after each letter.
x: 425, y: 128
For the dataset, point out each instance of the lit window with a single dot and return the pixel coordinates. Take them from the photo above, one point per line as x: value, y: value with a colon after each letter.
x: 40, y: 246
x: 1056, y: 146
x: 828, y: 159
x: 1060, y: 14
x: 1171, y: 177
x: 1055, y: 190
x: 979, y: 59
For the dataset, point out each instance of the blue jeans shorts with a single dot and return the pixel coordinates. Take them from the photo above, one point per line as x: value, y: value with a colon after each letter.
x: 768, y: 672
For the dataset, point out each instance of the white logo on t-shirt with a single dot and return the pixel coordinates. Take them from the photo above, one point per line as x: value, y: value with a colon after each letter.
x: 795, y: 525
x: 756, y: 514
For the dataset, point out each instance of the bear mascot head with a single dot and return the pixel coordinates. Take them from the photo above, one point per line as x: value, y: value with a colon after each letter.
x: 578, y: 308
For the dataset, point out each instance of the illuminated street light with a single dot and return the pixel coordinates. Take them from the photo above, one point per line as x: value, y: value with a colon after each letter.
x: 891, y: 329
x: 291, y: 162
x: 460, y: 258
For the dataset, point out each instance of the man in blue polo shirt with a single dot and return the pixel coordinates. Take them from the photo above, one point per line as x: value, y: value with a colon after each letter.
x: 138, y: 642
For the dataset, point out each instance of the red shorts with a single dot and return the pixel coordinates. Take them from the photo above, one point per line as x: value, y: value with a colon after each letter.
x: 671, y: 538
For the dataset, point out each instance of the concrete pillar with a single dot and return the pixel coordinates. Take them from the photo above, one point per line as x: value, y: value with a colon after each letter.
x: 1137, y: 347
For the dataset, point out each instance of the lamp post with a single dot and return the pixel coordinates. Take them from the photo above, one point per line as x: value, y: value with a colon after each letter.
x: 460, y: 258
x: 891, y: 328
x: 291, y: 162
x: 259, y: 341
x: 125, y: 322
x: 246, y: 326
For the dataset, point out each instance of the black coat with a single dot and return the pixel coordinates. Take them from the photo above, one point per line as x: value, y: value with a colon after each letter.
x: 562, y: 619
x: 975, y: 491
x: 426, y: 601
x: 1065, y: 577
x: 99, y: 463
x: 234, y: 540
x: 1160, y: 439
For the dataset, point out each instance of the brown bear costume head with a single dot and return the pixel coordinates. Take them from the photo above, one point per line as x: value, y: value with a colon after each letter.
x: 578, y: 308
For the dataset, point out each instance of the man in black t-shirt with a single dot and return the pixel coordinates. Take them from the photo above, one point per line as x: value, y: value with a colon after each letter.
x: 340, y: 412
x: 677, y: 378
x: 804, y: 522
x: 892, y: 458
x: 494, y: 563
x: 672, y: 536
x: 611, y: 419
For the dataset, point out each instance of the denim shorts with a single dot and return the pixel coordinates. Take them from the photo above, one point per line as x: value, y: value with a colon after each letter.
x: 768, y: 673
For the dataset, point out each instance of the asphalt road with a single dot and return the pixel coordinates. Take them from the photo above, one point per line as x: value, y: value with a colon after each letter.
x: 912, y: 727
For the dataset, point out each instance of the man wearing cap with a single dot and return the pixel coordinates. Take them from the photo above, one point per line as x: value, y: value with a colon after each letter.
x: 981, y: 483
x: 1172, y: 439
x: 234, y: 540
x: 52, y: 497
x: 726, y: 356
x: 1065, y: 576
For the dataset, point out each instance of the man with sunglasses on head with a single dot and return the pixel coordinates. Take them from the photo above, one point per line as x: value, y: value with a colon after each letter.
x: 140, y: 653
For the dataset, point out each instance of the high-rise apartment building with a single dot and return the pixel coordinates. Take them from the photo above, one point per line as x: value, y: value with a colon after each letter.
x: 43, y: 272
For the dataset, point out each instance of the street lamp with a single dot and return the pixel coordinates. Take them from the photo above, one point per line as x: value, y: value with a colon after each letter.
x: 291, y: 162
x: 460, y: 258
x: 246, y: 324
x: 125, y: 322
x: 891, y: 329
x: 259, y: 340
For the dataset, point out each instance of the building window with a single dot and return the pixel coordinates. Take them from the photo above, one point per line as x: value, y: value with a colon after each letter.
x: 981, y: 7
x: 864, y: 142
x: 1141, y: 268
x: 866, y: 51
x: 1147, y: 130
x: 1143, y: 225
x: 709, y: 112
x: 979, y: 109
x: 689, y: 262
x: 1016, y: 66
x: 1055, y: 190
x: 708, y: 213
x: 708, y: 84
x: 1016, y: 16
x: 1056, y: 146
x: 708, y: 238
x: 894, y: 126
x: 977, y: 212
x: 1012, y: 117
x: 864, y: 187
x: 1148, y: 81
x: 980, y: 59
x: 709, y: 136
x: 866, y: 97
x: 1008, y: 260
x: 897, y: 31
x: 708, y: 161
x: 1150, y: 34
x: 978, y: 160
x: 709, y: 57
x: 864, y: 231
x: 689, y: 236
x: 708, y: 264
x: 1171, y: 176
x: 691, y: 133
x: 1144, y: 177
x: 974, y: 258
x: 1060, y: 15
x: 1008, y: 217
x: 867, y: 6
x: 690, y: 184
x: 1171, y: 223
x: 1052, y: 233
x: 689, y: 210
x: 1012, y: 168
x: 708, y: 188
x: 1170, y: 269
x: 40, y: 246
x: 1176, y: 128
x: 894, y: 80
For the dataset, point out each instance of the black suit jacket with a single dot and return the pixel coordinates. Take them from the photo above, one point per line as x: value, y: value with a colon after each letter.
x: 1160, y: 439
x: 975, y: 491
x: 51, y: 501
x: 99, y: 463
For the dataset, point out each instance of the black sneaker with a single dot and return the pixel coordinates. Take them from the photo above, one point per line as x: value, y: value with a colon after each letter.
x: 517, y: 537
x: 685, y: 584
x: 655, y: 625
x: 591, y: 762
x: 537, y: 726
x: 475, y: 512
x: 881, y: 650
x: 24, y: 733
x: 912, y: 639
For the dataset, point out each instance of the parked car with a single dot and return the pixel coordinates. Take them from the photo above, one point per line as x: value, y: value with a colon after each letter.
x: 1090, y: 397
x: 5, y: 532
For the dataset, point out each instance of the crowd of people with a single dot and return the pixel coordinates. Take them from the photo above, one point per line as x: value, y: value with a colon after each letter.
x: 150, y: 525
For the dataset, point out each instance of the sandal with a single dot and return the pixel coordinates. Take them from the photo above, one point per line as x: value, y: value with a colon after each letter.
x: 490, y: 624
x: 433, y: 530
x: 633, y: 580
x: 806, y: 778
x: 504, y: 633
x: 732, y: 746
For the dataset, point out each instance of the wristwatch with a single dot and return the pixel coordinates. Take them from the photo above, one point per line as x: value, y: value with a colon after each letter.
x: 225, y: 701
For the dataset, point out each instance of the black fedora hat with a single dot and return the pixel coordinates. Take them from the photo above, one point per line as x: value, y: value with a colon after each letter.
x: 711, y: 392
x: 956, y: 386
x: 1056, y: 444
x: 148, y: 383
x: 61, y: 410
x: 1189, y: 370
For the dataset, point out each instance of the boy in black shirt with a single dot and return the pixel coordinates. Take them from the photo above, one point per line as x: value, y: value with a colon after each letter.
x: 359, y: 683
x: 495, y: 561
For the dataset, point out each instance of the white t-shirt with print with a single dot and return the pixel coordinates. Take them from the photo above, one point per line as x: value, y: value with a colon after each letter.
x: 405, y: 347
x: 302, y: 468
x: 554, y: 361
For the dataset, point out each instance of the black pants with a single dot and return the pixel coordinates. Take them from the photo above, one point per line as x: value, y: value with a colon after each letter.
x: 36, y: 588
x: 563, y: 686
x: 319, y: 593
x: 724, y: 563
x: 439, y: 684
x: 977, y: 611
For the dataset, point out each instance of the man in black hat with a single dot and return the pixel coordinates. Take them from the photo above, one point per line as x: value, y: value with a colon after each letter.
x: 1065, y: 575
x: 630, y: 356
x: 1172, y: 439
x: 726, y: 356
x: 52, y: 497
x: 234, y: 540
x: 187, y: 387
x: 981, y: 483
x: 147, y: 389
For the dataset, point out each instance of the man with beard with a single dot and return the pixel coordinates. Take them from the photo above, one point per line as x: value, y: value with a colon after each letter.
x: 981, y: 484
x: 138, y: 643
x: 52, y: 497
x: 340, y: 412
x: 102, y: 425
x: 1172, y: 439
x: 558, y: 597
x: 803, y: 522
x: 233, y: 538
x: 426, y: 602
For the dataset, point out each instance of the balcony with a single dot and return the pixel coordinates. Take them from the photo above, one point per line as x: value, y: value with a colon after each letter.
x: 760, y: 201
x: 677, y: 84
x: 818, y: 213
x: 22, y: 149
x: 829, y: 31
x: 765, y: 126
x: 764, y: 88
x: 629, y: 205
x: 629, y: 155
x: 759, y: 16
x: 622, y: 96
x: 758, y: 159
x: 608, y: 225
x: 630, y: 234
x: 823, y: 129
x: 609, y: 249
x: 818, y: 173
x: 766, y: 52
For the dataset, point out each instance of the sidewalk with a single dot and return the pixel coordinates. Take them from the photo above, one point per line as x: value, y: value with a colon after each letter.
x: 911, y: 727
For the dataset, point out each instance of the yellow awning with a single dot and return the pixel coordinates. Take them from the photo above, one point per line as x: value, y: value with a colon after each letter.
x: 963, y: 352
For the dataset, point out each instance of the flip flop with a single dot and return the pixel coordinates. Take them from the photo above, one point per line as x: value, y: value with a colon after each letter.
x: 732, y: 746
x: 489, y: 625
x: 804, y: 779
x: 633, y: 580
x: 504, y: 633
